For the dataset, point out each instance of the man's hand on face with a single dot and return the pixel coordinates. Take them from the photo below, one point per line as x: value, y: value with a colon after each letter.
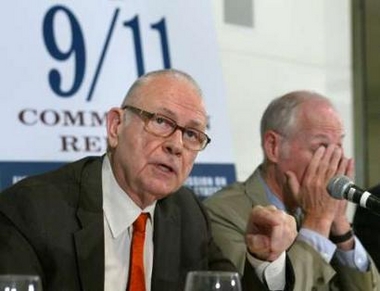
x: 318, y: 206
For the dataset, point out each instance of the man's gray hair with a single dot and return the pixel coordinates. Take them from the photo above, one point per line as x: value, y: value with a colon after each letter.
x: 281, y: 113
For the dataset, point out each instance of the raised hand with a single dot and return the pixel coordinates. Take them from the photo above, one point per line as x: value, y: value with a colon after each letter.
x: 311, y: 194
x: 270, y: 231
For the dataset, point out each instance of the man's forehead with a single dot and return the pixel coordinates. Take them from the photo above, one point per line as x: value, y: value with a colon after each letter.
x: 315, y: 135
x: 165, y: 87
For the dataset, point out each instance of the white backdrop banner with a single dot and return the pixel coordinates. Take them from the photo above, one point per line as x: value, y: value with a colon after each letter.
x: 65, y: 63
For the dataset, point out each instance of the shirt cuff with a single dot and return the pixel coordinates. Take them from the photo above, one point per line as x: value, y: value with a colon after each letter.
x: 271, y: 273
x: 356, y: 258
x: 321, y: 244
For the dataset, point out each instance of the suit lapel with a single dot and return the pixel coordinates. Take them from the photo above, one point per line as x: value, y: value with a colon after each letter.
x: 89, y: 240
x: 257, y: 193
x: 167, y: 252
x: 255, y: 189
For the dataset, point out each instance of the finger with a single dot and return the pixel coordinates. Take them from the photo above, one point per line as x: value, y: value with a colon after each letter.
x: 264, y: 216
x: 325, y: 160
x: 350, y: 169
x: 292, y: 184
x: 286, y: 234
x: 271, y: 208
x: 342, y: 166
x: 277, y: 236
x: 334, y: 162
x: 283, y: 235
x: 256, y: 219
x: 258, y: 245
x: 264, y: 219
x: 346, y: 167
x: 312, y: 168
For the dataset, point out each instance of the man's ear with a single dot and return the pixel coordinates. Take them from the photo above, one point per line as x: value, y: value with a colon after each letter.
x: 271, y: 145
x: 114, y: 120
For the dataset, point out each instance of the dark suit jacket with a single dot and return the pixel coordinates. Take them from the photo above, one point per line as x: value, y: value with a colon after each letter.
x: 367, y: 228
x: 52, y: 225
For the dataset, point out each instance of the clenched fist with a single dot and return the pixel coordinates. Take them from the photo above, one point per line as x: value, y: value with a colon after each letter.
x: 270, y: 232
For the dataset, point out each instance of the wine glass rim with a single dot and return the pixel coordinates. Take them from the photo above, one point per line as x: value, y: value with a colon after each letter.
x: 220, y: 273
x: 19, y: 276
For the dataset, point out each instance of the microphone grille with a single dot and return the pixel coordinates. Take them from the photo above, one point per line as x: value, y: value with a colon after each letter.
x: 338, y: 186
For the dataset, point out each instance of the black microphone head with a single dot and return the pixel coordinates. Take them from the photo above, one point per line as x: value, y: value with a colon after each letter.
x: 338, y: 185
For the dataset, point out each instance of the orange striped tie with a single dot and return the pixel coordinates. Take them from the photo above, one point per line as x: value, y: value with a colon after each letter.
x: 136, y: 266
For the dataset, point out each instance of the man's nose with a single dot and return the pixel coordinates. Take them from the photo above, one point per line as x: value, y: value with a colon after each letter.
x: 174, y: 142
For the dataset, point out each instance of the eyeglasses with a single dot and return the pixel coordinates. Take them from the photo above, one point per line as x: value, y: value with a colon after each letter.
x: 164, y: 126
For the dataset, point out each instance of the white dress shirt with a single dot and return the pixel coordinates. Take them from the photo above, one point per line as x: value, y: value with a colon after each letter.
x: 273, y: 273
x: 119, y: 214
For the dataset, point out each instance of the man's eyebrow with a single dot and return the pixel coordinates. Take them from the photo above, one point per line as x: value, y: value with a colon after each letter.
x: 167, y: 112
x: 323, y: 135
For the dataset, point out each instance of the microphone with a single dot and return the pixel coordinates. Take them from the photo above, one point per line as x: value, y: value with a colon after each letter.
x: 341, y: 187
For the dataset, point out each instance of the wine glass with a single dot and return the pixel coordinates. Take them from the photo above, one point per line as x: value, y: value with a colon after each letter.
x: 212, y: 281
x: 20, y: 283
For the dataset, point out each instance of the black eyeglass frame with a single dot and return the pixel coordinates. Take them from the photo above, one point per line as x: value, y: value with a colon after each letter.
x: 147, y: 116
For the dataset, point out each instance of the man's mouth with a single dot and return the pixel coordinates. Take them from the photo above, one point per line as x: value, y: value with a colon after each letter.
x: 165, y: 168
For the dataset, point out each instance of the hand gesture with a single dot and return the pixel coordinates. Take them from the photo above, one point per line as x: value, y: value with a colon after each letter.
x: 270, y: 232
x: 318, y: 207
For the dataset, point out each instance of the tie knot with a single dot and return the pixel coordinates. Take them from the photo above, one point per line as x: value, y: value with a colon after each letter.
x: 140, y: 222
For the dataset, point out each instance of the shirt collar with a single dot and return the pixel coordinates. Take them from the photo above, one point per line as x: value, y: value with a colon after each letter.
x: 119, y: 209
x: 273, y: 199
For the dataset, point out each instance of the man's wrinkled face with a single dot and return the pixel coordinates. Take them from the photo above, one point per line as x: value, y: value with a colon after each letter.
x: 148, y: 166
